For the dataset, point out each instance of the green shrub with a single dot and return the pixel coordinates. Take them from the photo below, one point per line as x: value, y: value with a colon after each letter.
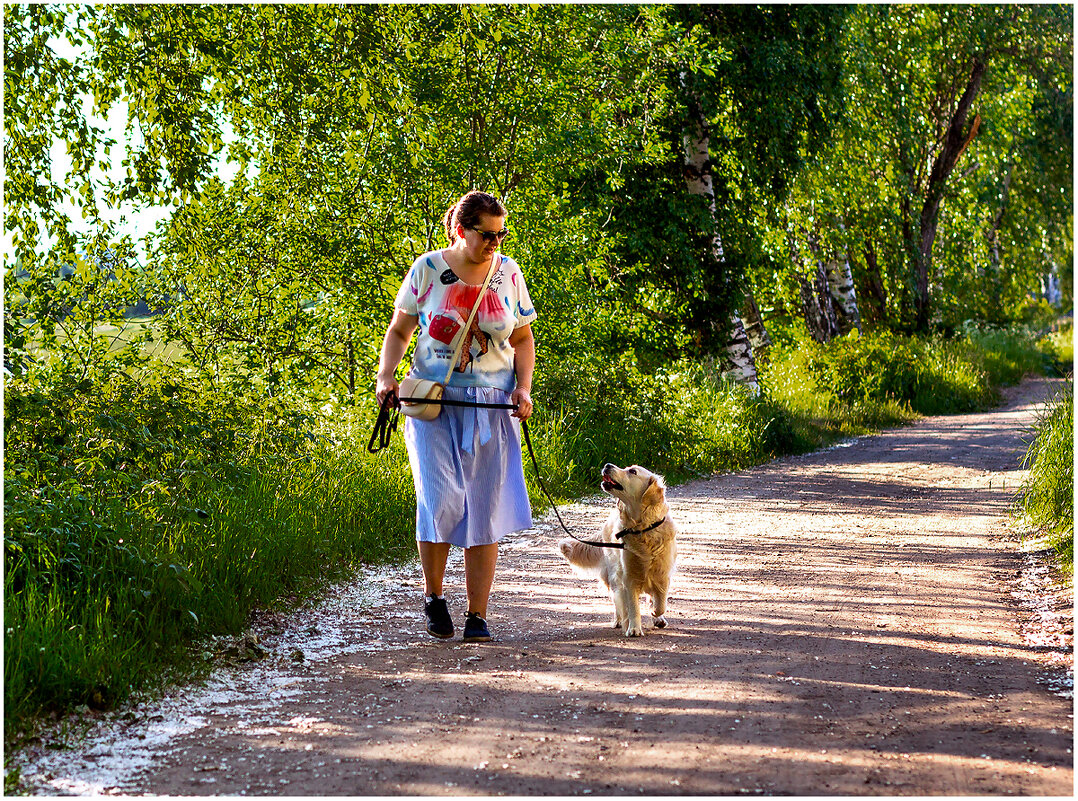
x: 1047, y: 497
x: 1010, y: 353
x: 1057, y: 351
x: 142, y: 516
x: 817, y: 415
x: 932, y: 377
x: 680, y: 420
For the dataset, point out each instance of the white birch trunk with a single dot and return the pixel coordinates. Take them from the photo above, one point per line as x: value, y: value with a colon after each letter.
x: 739, y: 351
x: 1050, y: 286
x: 754, y: 324
x: 698, y: 179
x: 844, y: 294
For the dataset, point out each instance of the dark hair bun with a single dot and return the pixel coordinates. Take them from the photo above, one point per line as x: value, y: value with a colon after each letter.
x: 466, y: 212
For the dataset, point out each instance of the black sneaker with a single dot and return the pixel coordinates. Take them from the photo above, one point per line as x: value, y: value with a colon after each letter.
x: 475, y: 629
x: 439, y: 623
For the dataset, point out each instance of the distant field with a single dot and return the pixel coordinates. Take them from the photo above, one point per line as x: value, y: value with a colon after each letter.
x: 164, y: 351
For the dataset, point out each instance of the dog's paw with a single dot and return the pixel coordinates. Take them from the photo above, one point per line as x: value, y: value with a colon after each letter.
x: 634, y: 631
x: 660, y: 622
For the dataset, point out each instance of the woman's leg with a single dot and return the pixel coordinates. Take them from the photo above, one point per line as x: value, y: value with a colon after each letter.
x: 433, y: 556
x: 479, y: 561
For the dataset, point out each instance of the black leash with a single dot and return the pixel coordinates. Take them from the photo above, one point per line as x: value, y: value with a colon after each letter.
x: 386, y: 424
x: 554, y: 506
x: 389, y: 414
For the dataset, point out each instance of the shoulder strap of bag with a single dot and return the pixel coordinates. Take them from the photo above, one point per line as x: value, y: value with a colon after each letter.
x: 463, y: 332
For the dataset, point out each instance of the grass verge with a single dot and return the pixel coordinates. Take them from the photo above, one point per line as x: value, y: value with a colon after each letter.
x: 1046, y: 501
x: 139, y: 518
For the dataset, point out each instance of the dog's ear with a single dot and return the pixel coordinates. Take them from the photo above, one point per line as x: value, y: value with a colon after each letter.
x: 656, y: 491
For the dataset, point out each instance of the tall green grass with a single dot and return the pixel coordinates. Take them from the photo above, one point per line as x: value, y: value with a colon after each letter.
x: 1047, y: 498
x: 681, y: 420
x: 137, y: 522
x: 816, y: 413
x: 929, y: 376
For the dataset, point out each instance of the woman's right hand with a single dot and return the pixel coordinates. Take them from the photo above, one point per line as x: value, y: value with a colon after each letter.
x: 398, y: 335
x: 387, y: 384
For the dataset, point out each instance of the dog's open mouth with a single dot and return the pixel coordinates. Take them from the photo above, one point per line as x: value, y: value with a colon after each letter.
x: 609, y: 485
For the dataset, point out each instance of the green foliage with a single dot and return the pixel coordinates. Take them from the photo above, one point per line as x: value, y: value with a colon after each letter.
x: 667, y: 285
x: 141, y: 517
x: 771, y: 101
x: 62, y: 279
x: 680, y: 420
x: 933, y: 377
x: 1004, y: 215
x: 763, y: 82
x: 293, y: 269
x: 1047, y: 498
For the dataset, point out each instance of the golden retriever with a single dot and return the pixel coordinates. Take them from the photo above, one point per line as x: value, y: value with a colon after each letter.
x: 643, y: 520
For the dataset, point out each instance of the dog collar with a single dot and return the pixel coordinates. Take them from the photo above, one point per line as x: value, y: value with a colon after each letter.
x: 656, y: 524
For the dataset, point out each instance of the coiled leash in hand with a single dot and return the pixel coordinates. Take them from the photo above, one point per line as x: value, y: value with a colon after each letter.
x: 388, y: 415
x: 386, y: 424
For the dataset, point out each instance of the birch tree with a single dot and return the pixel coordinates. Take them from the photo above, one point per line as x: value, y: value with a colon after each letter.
x: 698, y: 178
x: 755, y: 88
x: 923, y: 71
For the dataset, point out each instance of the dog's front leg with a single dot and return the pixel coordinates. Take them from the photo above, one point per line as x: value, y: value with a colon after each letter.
x: 616, y: 593
x: 630, y: 604
x: 658, y: 607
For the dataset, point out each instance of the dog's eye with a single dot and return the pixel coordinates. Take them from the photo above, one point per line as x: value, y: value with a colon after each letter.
x: 632, y: 471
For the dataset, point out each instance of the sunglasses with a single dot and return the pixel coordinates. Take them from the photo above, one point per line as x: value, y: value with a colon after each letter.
x: 492, y: 236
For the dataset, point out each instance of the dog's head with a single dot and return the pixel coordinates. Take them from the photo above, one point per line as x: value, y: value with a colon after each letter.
x: 633, y: 486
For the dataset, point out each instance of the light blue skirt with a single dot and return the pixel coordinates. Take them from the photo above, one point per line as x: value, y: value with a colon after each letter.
x: 469, y: 478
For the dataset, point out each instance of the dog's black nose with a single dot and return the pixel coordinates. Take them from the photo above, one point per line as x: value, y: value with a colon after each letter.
x: 608, y: 466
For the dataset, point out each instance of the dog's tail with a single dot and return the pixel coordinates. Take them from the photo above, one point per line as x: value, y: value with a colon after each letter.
x: 580, y: 554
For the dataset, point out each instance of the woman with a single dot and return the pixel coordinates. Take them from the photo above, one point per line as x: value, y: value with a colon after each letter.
x: 466, y: 463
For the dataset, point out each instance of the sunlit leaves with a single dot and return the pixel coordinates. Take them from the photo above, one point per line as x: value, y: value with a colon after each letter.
x: 905, y: 68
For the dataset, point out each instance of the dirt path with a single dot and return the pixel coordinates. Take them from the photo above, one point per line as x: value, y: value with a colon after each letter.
x: 841, y: 623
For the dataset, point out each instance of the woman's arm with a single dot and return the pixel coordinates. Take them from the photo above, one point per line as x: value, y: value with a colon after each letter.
x: 398, y: 335
x: 523, y: 344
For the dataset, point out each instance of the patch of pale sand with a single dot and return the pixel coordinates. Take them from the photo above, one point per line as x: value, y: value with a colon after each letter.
x: 1046, y: 601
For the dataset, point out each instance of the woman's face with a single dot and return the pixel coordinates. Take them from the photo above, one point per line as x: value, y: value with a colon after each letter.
x: 475, y: 246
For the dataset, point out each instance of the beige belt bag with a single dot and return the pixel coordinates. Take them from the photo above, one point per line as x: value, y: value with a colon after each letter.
x: 421, y: 391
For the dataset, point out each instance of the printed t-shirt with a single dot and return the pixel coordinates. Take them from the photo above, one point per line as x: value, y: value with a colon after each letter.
x: 432, y: 292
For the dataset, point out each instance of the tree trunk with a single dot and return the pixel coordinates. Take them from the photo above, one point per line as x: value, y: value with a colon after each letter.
x: 739, y: 354
x: 829, y: 300
x: 1050, y: 287
x: 995, y: 257
x: 817, y: 306
x: 843, y: 294
x: 350, y: 361
x: 877, y: 292
x: 958, y: 137
x: 754, y: 324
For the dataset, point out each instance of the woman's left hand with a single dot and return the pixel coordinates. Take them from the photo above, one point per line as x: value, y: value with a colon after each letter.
x: 523, y: 401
